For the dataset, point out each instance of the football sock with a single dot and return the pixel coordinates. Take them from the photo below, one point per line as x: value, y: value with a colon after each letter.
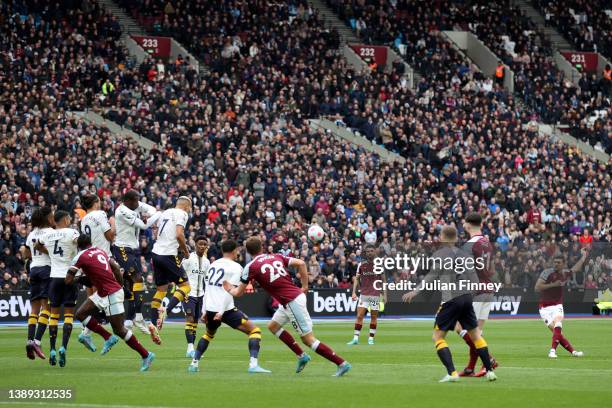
x: 357, y: 331
x: 130, y: 312
x: 53, y: 329
x: 445, y: 356
x: 134, y: 344
x: 473, y: 353
x: 156, y: 303
x: 483, y: 352
x: 180, y: 294
x: 190, y: 332
x: 43, y: 321
x: 254, y: 343
x: 138, y: 290
x: 32, y: 320
x: 324, y: 351
x: 372, y: 329
x: 67, y: 329
x: 559, y: 338
x: 203, y: 345
x: 92, y: 324
x: 288, y: 339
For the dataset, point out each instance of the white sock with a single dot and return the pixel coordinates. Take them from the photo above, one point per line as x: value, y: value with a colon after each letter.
x: 195, y: 362
x: 189, y: 347
x: 86, y: 331
x: 253, y: 362
x: 37, y: 342
x: 372, y: 333
x: 128, y: 323
x: 138, y: 317
x: 356, y: 335
x: 462, y: 333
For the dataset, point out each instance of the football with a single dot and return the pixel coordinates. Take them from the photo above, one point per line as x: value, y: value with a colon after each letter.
x: 316, y: 233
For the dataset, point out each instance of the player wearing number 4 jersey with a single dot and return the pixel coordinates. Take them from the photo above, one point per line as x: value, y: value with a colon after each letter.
x: 270, y: 271
x: 219, y: 307
x: 105, y: 276
x: 61, y: 246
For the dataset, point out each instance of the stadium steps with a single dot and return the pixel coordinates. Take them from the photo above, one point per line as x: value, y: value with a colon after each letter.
x: 534, y: 15
x: 345, y: 134
x: 330, y: 19
x: 98, y: 120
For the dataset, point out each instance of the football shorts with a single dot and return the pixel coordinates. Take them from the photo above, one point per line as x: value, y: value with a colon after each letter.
x: 111, y: 305
x: 168, y: 268
x: 549, y: 313
x: 458, y: 309
x: 295, y: 312
x: 39, y: 282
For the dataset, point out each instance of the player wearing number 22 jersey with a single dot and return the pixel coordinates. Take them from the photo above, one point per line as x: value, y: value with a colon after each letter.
x: 270, y: 272
x: 219, y: 307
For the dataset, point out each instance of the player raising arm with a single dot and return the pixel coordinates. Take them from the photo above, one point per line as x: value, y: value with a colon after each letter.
x: 166, y: 264
x: 105, y: 276
x: 126, y: 251
x: 270, y: 271
x: 550, y: 286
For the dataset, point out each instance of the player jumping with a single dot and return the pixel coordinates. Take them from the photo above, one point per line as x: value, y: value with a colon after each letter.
x: 269, y: 270
x: 196, y: 266
x: 166, y: 264
x: 550, y: 286
x: 369, y: 296
x: 39, y: 278
x: 456, y: 306
x: 105, y: 275
x: 479, y: 246
x: 219, y: 307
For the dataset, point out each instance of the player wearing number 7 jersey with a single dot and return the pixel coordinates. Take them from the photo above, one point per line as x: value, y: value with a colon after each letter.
x: 219, y: 307
x: 270, y: 271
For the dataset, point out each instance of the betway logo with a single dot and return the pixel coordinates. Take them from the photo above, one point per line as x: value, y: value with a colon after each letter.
x: 341, y: 302
x: 506, y: 304
x: 15, y: 306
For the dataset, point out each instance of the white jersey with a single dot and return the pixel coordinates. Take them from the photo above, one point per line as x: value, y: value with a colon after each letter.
x: 196, y: 269
x: 38, y: 258
x: 217, y: 299
x: 128, y: 224
x: 95, y: 224
x: 62, y: 247
x: 166, y: 243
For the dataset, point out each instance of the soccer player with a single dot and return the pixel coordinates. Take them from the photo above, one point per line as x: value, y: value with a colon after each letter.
x: 126, y: 251
x: 166, y: 264
x: 550, y: 286
x: 480, y: 248
x: 456, y: 305
x: 39, y: 277
x: 105, y: 275
x: 196, y: 267
x: 95, y: 224
x: 369, y: 296
x: 61, y: 246
x: 219, y: 307
x: 270, y: 271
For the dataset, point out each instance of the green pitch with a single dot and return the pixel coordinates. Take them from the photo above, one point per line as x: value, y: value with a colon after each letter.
x: 401, y: 370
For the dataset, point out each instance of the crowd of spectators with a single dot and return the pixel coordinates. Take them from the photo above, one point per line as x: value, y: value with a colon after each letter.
x: 238, y: 142
x: 585, y: 23
x: 411, y: 25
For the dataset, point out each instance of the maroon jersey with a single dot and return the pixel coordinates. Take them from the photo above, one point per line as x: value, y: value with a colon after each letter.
x: 480, y: 248
x: 270, y: 271
x: 95, y: 265
x: 367, y: 277
x: 552, y: 296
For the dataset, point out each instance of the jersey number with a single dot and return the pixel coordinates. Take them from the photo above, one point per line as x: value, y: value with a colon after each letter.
x: 276, y: 270
x: 36, y: 251
x: 58, y: 249
x: 87, y: 230
x: 164, y: 222
x: 215, y: 280
x: 103, y: 261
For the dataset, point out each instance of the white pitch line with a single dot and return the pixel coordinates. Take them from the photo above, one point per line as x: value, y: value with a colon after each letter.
x: 75, y: 404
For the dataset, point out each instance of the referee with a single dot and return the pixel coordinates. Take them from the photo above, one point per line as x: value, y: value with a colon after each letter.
x: 456, y: 303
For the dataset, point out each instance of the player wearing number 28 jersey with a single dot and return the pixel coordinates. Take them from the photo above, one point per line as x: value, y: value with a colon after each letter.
x: 270, y: 272
x: 219, y: 307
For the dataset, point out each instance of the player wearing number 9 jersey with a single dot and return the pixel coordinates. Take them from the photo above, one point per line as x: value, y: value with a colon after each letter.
x: 270, y: 271
x: 95, y: 224
x: 219, y: 307
x: 61, y: 246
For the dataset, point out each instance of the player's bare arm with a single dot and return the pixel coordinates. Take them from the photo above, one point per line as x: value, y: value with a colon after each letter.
x: 355, y: 284
x: 542, y: 285
x: 235, y: 291
x: 302, y: 270
x: 116, y: 271
x: 182, y: 241
x: 41, y: 248
x: 69, y: 279
x: 578, y: 266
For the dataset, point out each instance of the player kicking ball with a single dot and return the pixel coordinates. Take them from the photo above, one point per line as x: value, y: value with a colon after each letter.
x: 269, y: 270
x: 550, y: 286
x: 456, y: 306
x: 219, y: 308
x: 105, y: 275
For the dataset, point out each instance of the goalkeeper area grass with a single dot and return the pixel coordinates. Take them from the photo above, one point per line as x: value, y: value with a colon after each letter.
x: 400, y: 370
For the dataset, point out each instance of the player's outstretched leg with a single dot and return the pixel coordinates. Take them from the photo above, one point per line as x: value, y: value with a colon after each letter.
x: 190, y: 335
x: 254, y: 334
x: 205, y: 340
x: 325, y: 351
x: 138, y: 291
x: 120, y: 330
x: 66, y: 332
x: 558, y: 338
x: 288, y: 339
x: 156, y: 307
x: 468, y: 371
x: 179, y: 295
x: 53, y: 322
x: 483, y: 353
x: 32, y: 320
x: 361, y: 312
x: 445, y: 356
